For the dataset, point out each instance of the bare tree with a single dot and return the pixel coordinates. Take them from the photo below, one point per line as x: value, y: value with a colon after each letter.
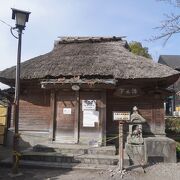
x: 170, y: 25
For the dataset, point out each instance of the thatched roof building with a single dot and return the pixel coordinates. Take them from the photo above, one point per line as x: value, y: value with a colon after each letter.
x: 89, y: 57
x: 79, y: 91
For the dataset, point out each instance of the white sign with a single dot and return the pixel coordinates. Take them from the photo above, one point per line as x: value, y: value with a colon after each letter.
x: 89, y: 118
x: 66, y: 110
x: 88, y: 105
x: 119, y: 115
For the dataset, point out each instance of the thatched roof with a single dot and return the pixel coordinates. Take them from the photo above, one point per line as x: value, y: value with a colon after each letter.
x: 90, y: 57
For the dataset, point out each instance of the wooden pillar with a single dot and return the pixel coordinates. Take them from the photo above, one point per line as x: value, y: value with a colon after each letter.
x: 103, y: 118
x: 77, y: 117
x: 53, y: 115
x: 121, y: 150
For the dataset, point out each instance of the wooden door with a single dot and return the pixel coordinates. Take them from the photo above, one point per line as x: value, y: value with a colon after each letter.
x: 91, y: 134
x: 65, y: 117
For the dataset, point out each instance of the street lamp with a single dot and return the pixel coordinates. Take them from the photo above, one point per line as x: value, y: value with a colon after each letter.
x: 21, y: 18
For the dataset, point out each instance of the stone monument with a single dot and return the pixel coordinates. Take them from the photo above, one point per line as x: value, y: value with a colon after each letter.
x: 135, y: 143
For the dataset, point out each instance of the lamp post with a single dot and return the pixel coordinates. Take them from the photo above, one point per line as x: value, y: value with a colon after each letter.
x: 21, y: 18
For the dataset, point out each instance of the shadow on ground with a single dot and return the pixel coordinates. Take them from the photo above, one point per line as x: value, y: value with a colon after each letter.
x: 33, y: 174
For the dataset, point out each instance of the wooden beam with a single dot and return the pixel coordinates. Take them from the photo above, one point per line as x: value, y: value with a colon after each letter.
x: 53, y: 115
x: 83, y: 83
x: 78, y: 81
x: 77, y: 117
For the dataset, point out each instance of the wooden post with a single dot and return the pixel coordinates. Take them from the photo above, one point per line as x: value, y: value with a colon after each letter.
x: 121, y: 150
x: 53, y: 115
x: 77, y: 117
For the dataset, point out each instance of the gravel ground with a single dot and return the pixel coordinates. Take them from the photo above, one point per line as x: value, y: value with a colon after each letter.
x: 154, y: 172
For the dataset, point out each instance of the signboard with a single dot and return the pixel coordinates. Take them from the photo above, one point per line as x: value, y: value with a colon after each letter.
x: 89, y: 118
x: 127, y: 92
x: 121, y: 116
x: 88, y: 105
x: 66, y: 110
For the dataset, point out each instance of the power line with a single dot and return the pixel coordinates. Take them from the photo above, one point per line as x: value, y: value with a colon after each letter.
x: 11, y: 28
x: 5, y: 23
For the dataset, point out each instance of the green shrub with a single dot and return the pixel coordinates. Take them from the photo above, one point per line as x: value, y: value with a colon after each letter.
x: 178, y: 150
x: 173, y: 125
x: 178, y: 147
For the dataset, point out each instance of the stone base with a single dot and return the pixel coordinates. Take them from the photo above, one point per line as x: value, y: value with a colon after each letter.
x: 136, y: 154
x: 160, y: 149
x: 27, y: 138
x: 155, y: 149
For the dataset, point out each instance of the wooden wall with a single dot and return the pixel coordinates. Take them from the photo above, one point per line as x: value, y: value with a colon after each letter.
x: 36, y: 113
x: 34, y: 110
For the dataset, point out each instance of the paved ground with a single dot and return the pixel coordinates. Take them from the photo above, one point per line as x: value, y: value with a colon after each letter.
x: 154, y: 172
x: 5, y: 152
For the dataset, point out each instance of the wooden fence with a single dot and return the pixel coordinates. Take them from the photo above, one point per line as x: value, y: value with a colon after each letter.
x: 3, y: 122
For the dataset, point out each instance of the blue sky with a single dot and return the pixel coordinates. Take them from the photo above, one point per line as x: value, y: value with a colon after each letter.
x: 53, y: 18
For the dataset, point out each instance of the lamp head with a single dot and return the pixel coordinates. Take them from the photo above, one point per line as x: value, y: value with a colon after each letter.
x: 21, y: 18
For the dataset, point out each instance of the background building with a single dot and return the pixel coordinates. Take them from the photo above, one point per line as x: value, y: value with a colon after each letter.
x: 172, y: 103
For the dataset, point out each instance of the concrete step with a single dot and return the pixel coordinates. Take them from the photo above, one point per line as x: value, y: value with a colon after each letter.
x: 58, y: 160
x: 70, y: 158
x: 49, y: 165
x: 73, y: 155
x: 75, y: 149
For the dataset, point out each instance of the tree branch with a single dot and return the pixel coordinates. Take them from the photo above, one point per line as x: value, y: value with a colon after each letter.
x: 167, y: 28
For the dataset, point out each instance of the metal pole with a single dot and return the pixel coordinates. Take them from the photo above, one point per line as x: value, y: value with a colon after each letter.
x: 121, y: 150
x: 16, y: 107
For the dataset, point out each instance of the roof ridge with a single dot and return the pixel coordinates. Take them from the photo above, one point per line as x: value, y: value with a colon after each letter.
x: 80, y: 39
